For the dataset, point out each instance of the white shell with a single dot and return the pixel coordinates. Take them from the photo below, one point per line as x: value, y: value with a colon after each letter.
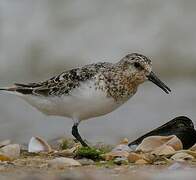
x: 12, y: 151
x: 182, y: 156
x: 4, y: 143
x: 37, y: 144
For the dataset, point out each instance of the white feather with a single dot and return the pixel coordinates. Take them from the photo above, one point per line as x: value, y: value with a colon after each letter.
x: 82, y: 103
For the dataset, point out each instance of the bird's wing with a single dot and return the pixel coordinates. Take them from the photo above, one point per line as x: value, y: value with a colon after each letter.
x: 63, y: 83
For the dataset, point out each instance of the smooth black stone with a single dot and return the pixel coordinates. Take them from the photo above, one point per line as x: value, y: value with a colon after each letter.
x: 181, y: 126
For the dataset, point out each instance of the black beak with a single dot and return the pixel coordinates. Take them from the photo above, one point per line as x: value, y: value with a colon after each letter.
x: 153, y: 78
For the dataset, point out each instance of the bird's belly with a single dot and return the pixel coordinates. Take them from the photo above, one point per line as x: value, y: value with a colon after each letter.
x: 84, y: 108
x: 82, y: 103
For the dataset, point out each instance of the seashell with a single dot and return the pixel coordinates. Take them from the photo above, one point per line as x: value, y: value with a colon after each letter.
x: 192, y: 153
x: 181, y: 156
x: 37, y: 144
x: 163, y: 150
x: 4, y: 143
x: 11, y: 151
x: 175, y: 143
x: 193, y: 148
x: 149, y: 144
x: 61, y: 163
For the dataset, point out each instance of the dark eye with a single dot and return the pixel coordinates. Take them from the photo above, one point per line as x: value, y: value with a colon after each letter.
x: 137, y: 65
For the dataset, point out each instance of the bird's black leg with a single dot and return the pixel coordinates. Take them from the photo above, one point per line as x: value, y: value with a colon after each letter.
x: 76, y: 134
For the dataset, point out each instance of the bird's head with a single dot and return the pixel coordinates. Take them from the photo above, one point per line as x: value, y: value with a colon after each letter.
x: 140, y: 68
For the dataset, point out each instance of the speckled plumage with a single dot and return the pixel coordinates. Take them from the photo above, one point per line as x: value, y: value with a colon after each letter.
x: 89, y: 91
x: 64, y: 83
x: 116, y: 80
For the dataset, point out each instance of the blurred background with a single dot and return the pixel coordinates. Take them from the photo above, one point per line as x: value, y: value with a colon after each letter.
x: 39, y: 39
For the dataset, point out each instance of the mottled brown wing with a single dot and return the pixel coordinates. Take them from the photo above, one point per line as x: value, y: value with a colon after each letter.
x: 63, y: 83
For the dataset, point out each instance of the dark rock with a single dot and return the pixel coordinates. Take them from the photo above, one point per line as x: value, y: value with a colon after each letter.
x: 181, y: 126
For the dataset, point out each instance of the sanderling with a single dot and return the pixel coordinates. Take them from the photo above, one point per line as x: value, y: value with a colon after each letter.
x: 89, y: 91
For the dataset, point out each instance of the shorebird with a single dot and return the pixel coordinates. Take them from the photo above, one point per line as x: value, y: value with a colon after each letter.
x: 89, y: 91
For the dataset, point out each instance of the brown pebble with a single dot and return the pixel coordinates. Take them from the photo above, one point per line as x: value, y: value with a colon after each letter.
x: 141, y: 162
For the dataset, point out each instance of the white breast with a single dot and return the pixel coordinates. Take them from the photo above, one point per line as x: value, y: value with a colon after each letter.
x: 82, y: 103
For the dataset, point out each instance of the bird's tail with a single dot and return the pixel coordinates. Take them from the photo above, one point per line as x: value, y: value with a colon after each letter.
x: 10, y: 90
x: 17, y: 89
x: 13, y: 88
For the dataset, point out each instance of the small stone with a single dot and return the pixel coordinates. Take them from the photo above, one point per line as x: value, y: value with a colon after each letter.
x: 181, y: 156
x: 102, y: 162
x: 66, y: 152
x: 121, y: 151
x: 141, y: 162
x: 133, y: 157
x: 121, y: 161
x: 61, y: 163
x: 121, y: 147
x: 112, y: 155
x: 86, y: 162
x: 11, y: 151
x: 160, y: 163
x: 4, y: 158
x: 133, y: 147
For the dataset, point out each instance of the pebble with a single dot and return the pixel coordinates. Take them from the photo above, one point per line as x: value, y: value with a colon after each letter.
x: 133, y: 157
x: 141, y: 162
x: 112, y: 155
x: 86, y: 162
x: 62, y: 162
x: 122, y: 147
x: 133, y: 147
x: 121, y: 161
